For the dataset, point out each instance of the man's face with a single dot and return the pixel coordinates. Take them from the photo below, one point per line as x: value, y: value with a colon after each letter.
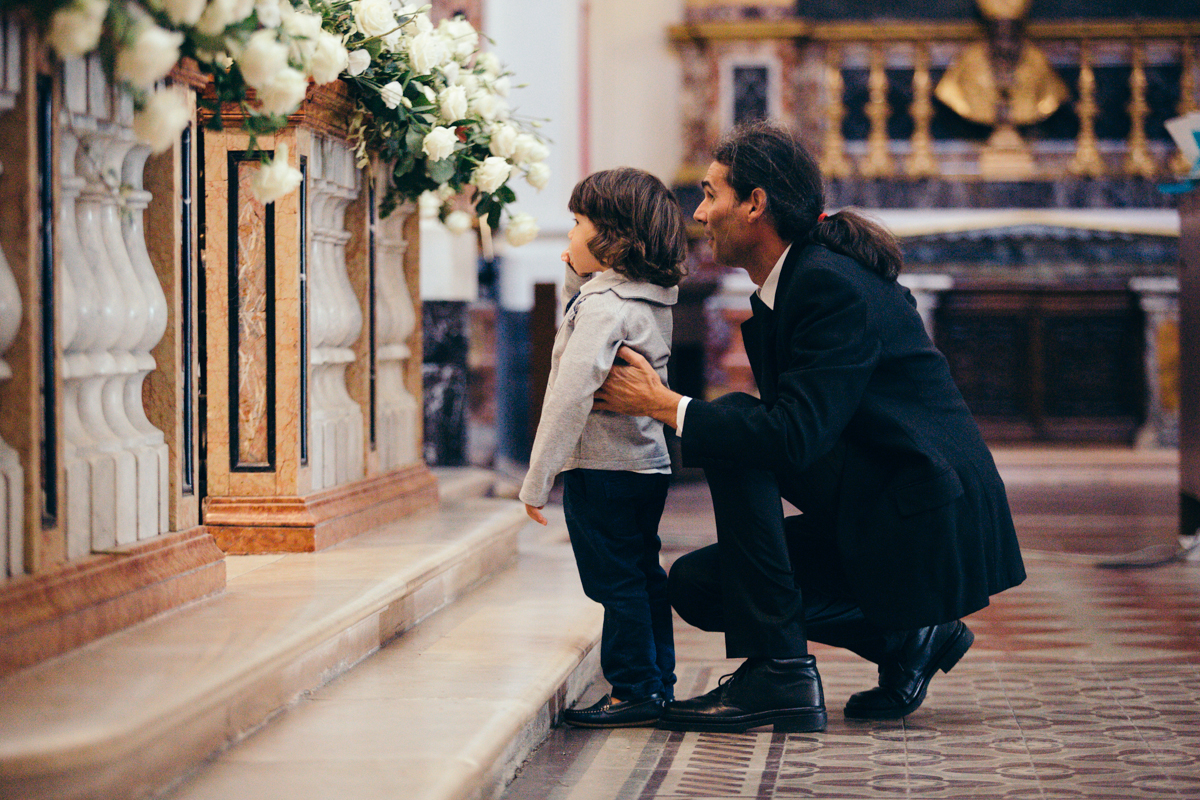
x: 723, y: 217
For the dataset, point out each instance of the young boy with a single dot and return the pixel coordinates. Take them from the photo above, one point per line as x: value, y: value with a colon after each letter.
x: 624, y: 261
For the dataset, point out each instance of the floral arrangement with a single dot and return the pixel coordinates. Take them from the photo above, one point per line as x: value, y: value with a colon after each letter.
x: 428, y: 101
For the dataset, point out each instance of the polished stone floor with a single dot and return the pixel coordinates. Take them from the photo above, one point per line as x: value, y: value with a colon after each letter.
x: 1084, y: 682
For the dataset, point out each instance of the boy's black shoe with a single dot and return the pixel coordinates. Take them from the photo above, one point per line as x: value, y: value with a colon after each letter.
x: 609, y: 714
x: 783, y: 692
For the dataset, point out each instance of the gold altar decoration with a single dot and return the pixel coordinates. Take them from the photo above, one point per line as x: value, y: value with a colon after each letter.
x: 971, y: 90
x: 1003, y: 82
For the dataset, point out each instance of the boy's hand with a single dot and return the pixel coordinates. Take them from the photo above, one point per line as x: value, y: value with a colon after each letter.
x: 535, y: 513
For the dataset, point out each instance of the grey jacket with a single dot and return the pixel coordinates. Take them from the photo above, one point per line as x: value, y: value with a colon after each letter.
x: 611, y: 310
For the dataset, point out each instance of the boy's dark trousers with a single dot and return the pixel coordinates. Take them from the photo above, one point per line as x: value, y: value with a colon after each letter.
x: 612, y: 518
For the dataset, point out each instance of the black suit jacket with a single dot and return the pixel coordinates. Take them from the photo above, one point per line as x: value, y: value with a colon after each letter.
x: 924, y: 531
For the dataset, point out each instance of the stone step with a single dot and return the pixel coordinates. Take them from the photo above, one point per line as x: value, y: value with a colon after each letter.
x: 460, y: 483
x: 448, y: 711
x: 130, y: 713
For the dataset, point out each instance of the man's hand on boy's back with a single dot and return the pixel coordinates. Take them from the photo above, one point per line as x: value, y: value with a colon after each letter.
x: 637, y: 390
x: 535, y: 513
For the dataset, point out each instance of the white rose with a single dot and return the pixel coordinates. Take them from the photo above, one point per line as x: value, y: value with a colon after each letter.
x: 183, y: 12
x: 504, y: 141
x: 303, y: 28
x: 439, y: 143
x: 491, y: 174
x: 484, y: 105
x: 522, y: 229
x: 529, y: 150
x: 373, y: 17
x: 458, y: 222
x: 429, y: 204
x: 285, y: 93
x: 489, y: 63
x: 538, y: 175
x: 427, y: 51
x: 163, y: 117
x: 329, y: 58
x: 450, y: 72
x: 392, y: 94
x: 453, y: 103
x: 263, y: 58
x: 460, y: 36
x: 75, y: 29
x: 269, y: 13
x: 469, y: 82
x: 358, y: 61
x: 276, y: 178
x: 220, y: 14
x: 150, y: 57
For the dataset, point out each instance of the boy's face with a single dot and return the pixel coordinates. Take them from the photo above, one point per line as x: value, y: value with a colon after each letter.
x: 577, y: 255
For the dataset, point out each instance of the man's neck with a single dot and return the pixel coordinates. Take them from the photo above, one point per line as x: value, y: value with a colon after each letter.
x: 764, y: 258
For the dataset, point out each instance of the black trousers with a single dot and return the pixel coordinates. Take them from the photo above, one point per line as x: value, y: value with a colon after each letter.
x: 769, y: 583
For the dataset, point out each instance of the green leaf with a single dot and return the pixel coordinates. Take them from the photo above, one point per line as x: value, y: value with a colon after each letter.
x: 440, y: 171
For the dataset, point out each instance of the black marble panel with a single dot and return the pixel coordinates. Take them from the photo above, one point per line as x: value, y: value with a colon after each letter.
x: 444, y: 373
x: 1110, y: 192
x: 445, y: 394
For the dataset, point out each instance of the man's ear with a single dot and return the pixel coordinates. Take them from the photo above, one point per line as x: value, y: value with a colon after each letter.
x: 758, y: 204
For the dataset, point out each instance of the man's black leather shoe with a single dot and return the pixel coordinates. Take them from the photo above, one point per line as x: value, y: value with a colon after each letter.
x: 784, y: 692
x: 904, y: 679
x: 607, y: 714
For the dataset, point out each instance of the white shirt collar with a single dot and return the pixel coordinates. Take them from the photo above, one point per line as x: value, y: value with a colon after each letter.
x: 766, y: 292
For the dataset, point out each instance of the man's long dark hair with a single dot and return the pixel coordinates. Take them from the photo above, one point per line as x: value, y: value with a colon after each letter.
x: 767, y: 156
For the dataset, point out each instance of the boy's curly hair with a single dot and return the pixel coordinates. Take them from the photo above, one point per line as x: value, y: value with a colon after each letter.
x: 639, y: 224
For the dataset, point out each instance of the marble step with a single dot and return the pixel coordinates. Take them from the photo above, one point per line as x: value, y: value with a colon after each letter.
x: 130, y: 713
x: 448, y: 711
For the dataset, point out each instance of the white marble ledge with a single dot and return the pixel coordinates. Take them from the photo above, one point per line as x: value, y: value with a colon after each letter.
x: 931, y: 221
x: 449, y: 710
x: 88, y: 723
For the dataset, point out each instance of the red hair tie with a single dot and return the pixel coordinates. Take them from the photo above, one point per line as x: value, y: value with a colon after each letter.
x: 821, y: 216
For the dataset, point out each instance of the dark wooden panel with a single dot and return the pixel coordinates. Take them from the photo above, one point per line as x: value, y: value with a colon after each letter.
x: 1038, y: 363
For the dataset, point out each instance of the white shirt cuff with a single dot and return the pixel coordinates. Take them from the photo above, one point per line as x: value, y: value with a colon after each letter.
x: 680, y: 410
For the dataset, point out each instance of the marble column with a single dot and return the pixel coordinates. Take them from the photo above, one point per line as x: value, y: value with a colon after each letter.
x: 1159, y: 301
x: 926, y: 290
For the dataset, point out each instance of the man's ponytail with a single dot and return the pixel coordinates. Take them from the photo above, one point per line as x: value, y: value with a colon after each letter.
x: 853, y: 235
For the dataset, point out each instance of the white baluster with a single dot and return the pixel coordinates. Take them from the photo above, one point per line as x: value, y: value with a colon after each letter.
x: 150, y: 439
x: 79, y: 312
x: 12, y: 476
x: 336, y: 455
x: 320, y: 318
x: 113, y: 478
x: 397, y: 408
x: 344, y: 177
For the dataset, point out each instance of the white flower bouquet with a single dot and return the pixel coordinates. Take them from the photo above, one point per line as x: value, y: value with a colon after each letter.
x: 429, y: 102
x: 433, y: 105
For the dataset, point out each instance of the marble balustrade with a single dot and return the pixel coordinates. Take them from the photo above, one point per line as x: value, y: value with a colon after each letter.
x: 330, y: 284
x: 12, y: 476
x: 113, y: 314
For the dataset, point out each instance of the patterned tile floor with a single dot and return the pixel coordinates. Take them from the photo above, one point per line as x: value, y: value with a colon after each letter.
x: 1084, y: 682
